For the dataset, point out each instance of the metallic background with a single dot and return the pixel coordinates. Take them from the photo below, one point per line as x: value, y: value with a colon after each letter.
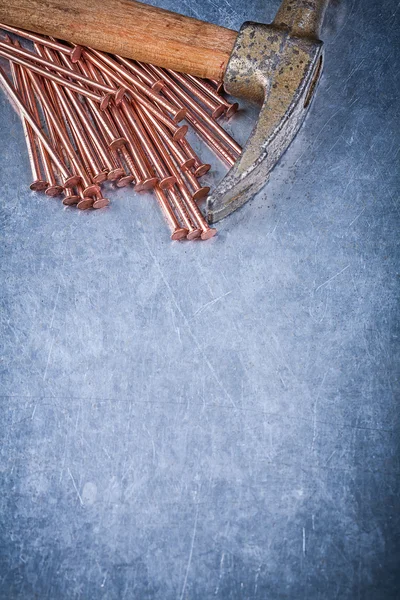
x: 218, y: 419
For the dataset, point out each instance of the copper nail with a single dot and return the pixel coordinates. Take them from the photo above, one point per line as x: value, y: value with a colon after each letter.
x: 149, y: 122
x: 166, y: 179
x: 38, y: 183
x: 91, y: 143
x: 211, y: 140
x: 217, y: 109
x: 85, y: 202
x: 228, y: 108
x: 32, y: 60
x: 109, y: 76
x: 70, y: 199
x: 131, y: 177
x: 194, y: 107
x: 178, y: 114
x: 46, y: 161
x: 92, y: 72
x: 214, y: 143
x: 53, y: 188
x: 194, y: 232
x: 199, y: 191
x: 178, y: 232
x: 100, y: 201
x: 144, y: 177
x: 207, y: 231
x: 183, y: 161
x: 200, y: 168
x: 219, y: 85
x: 45, y: 41
x: 59, y: 127
x: 70, y: 180
x: 125, y: 181
x: 117, y: 171
x: 140, y: 70
x: 73, y: 110
x: 101, y: 117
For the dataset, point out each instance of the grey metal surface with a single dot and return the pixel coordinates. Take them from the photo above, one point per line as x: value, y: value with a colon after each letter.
x: 219, y: 419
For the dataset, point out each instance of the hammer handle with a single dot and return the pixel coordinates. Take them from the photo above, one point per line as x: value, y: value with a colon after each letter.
x: 128, y: 28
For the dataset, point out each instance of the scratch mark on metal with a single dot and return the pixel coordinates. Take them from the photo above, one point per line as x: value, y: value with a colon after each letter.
x: 190, y: 553
x: 76, y: 489
x: 48, y: 359
x: 331, y: 278
x: 357, y: 217
x: 200, y: 310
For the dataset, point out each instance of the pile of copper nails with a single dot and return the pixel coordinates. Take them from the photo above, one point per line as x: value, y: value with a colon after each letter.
x: 91, y: 118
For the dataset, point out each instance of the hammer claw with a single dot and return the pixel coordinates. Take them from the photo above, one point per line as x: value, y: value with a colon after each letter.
x: 280, y: 70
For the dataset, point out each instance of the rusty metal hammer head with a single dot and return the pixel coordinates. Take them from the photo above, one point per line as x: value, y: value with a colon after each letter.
x: 278, y: 66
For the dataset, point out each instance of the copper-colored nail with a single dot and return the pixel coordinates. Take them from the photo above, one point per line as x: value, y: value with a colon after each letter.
x: 211, y: 140
x: 228, y: 107
x: 194, y: 107
x: 200, y: 168
x: 38, y: 183
x: 207, y: 231
x: 194, y: 232
x: 70, y: 180
x: 214, y: 143
x: 140, y: 70
x: 100, y: 201
x: 220, y: 131
x: 178, y: 232
x: 166, y: 179
x: 101, y: 117
x: 117, y: 171
x: 217, y: 109
x: 219, y: 85
x: 109, y: 76
x: 91, y: 143
x: 47, y: 164
x: 85, y: 202
x: 144, y: 177
x: 125, y: 181
x: 149, y: 122
x: 91, y: 71
x: 199, y: 191
x: 70, y: 199
x: 75, y: 161
x: 97, y: 152
x: 183, y: 161
x: 74, y: 53
x: 73, y: 109
x: 131, y: 177
x: 178, y: 114
x: 102, y: 100
x: 53, y: 189
x: 32, y: 62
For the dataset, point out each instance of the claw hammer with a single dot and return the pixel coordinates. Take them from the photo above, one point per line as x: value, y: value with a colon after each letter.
x: 276, y: 65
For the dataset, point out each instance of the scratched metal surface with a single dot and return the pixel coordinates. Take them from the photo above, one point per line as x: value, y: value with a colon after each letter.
x: 213, y: 420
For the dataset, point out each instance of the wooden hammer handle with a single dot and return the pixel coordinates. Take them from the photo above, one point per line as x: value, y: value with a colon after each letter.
x: 128, y: 28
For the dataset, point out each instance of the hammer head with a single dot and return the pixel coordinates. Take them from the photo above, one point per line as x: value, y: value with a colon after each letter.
x: 279, y: 69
